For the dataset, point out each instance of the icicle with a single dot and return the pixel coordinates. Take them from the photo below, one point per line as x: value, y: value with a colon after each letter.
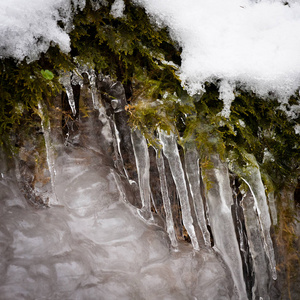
x: 272, y: 205
x: 92, y: 79
x: 119, y: 164
x: 260, y: 204
x: 193, y: 175
x: 66, y: 82
x: 166, y: 200
x: 170, y: 150
x: 219, y: 198
x: 49, y: 150
x: 107, y: 128
x: 142, y: 159
x: 260, y: 264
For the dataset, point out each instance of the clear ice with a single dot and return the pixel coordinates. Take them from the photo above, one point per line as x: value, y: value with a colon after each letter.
x: 170, y: 150
x: 193, y: 175
x: 219, y: 198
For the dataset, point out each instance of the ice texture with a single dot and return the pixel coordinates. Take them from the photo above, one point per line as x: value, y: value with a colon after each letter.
x: 94, y: 245
x: 254, y: 44
x: 170, y: 150
x: 45, y: 123
x: 219, y: 198
x: 256, y: 244
x: 65, y: 80
x: 193, y: 175
x: 256, y: 186
x: 142, y: 159
x: 166, y: 200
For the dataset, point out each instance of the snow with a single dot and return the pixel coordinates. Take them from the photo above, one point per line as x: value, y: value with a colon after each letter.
x: 233, y: 43
x: 117, y: 8
x: 27, y: 28
x: 253, y: 44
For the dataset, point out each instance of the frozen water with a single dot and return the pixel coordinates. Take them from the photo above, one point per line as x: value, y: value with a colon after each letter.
x: 165, y: 196
x: 193, y: 175
x: 45, y: 122
x: 65, y: 80
x: 170, y: 150
x: 256, y: 244
x: 219, y: 198
x: 142, y: 159
x: 257, y: 189
x: 94, y: 245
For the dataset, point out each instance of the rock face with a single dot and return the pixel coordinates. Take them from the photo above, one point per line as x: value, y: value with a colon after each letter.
x: 74, y: 223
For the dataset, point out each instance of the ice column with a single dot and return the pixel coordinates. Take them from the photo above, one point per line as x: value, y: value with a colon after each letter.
x: 165, y: 196
x: 255, y: 184
x: 49, y: 150
x: 272, y: 205
x: 107, y: 130
x: 219, y: 198
x: 260, y: 264
x: 92, y: 79
x: 170, y: 150
x: 142, y: 159
x: 66, y: 82
x: 193, y: 175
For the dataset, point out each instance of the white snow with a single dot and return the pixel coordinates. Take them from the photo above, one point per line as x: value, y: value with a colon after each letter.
x: 254, y: 44
x: 234, y: 43
x: 27, y: 28
x: 117, y: 8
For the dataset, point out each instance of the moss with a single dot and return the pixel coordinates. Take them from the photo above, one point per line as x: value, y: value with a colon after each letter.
x: 135, y: 51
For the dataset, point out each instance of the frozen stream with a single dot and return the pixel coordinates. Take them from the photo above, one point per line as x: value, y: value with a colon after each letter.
x: 93, y: 245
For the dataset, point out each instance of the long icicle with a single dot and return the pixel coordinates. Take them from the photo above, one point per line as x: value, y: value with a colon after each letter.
x: 260, y: 204
x: 142, y: 159
x: 260, y: 264
x: 66, y: 82
x: 49, y: 150
x: 193, y: 176
x: 219, y: 198
x: 170, y: 150
x: 166, y: 200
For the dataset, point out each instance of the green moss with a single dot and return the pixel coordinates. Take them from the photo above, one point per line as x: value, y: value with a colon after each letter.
x: 135, y: 51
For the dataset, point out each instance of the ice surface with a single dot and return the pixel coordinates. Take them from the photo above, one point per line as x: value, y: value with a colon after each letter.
x: 94, y: 246
x: 219, y: 198
x: 170, y: 150
x: 252, y: 43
